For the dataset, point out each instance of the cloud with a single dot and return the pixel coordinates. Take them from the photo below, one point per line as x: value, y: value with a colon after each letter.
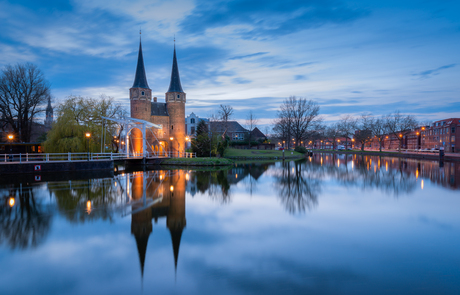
x: 430, y: 73
x: 268, y: 18
x: 241, y: 81
x: 247, y: 56
x: 300, y: 77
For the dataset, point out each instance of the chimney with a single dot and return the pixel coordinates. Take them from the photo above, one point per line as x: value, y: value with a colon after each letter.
x: 155, y: 99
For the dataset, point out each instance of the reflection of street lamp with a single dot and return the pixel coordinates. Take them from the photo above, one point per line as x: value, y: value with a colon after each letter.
x: 11, y: 202
x: 88, y: 136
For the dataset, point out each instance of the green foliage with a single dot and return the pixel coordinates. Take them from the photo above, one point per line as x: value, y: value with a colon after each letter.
x: 77, y: 116
x: 201, y: 145
x: 223, y: 145
x: 300, y: 149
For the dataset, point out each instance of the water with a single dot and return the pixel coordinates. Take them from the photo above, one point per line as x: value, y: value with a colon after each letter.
x: 327, y: 225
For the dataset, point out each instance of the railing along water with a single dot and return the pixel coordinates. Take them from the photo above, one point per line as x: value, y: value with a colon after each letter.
x: 70, y: 157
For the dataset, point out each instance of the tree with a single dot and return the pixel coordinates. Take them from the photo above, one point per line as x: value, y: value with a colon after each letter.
x: 364, y: 133
x: 379, y: 129
x: 333, y: 131
x: 78, y: 115
x: 251, y: 123
x: 225, y: 112
x: 298, y: 118
x: 400, y: 125
x: 201, y: 144
x: 23, y: 92
x: 347, y: 126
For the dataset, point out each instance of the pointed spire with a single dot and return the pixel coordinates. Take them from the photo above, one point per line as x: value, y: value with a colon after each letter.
x: 141, y: 242
x: 174, y: 85
x: 49, y: 108
x: 141, y: 79
x: 176, y: 235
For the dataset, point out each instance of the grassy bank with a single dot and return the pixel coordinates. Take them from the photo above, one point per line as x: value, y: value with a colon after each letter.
x: 260, y: 154
x: 354, y: 151
x: 197, y: 161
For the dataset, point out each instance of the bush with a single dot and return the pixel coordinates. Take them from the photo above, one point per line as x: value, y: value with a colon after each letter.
x: 300, y: 149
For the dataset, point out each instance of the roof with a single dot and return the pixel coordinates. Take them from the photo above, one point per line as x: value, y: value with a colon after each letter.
x: 233, y: 126
x: 159, y: 109
x: 141, y: 79
x: 257, y: 133
x: 174, y: 85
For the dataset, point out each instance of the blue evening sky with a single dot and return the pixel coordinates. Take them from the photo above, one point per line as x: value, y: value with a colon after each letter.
x: 350, y: 56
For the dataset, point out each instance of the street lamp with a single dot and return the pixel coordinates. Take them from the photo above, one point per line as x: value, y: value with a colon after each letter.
x: 88, y: 136
x: 10, y: 138
x: 170, y: 145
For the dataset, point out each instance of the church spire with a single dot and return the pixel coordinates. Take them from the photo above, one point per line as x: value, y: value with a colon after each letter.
x: 140, y: 81
x: 174, y: 85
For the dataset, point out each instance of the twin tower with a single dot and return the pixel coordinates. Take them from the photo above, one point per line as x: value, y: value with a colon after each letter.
x: 170, y: 114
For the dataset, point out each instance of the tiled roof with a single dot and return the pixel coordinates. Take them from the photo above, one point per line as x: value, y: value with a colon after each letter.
x: 233, y: 126
x: 159, y: 109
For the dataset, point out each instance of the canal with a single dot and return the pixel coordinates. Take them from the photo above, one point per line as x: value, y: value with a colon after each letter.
x: 330, y: 224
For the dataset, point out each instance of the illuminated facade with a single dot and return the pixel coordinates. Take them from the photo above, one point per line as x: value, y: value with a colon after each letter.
x: 170, y: 114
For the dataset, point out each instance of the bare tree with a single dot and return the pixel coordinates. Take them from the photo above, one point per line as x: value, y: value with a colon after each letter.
x: 251, y: 123
x: 400, y: 125
x: 347, y: 126
x: 297, y: 117
x: 23, y: 90
x: 364, y: 133
x: 225, y: 113
x: 379, y: 129
x: 333, y: 131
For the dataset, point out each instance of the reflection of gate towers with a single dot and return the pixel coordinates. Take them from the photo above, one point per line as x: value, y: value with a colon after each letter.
x: 171, y: 114
x: 171, y: 188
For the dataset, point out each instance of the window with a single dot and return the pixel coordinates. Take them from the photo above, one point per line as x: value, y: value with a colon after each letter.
x: 178, y: 96
x: 143, y: 93
x: 192, y: 120
x: 172, y: 126
x: 192, y: 130
x: 452, y: 138
x: 453, y: 129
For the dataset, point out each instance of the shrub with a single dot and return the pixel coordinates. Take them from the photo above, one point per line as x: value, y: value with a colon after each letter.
x: 300, y: 149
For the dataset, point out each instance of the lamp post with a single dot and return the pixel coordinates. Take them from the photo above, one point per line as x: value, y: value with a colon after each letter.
x: 170, y: 145
x: 10, y: 138
x: 88, y: 136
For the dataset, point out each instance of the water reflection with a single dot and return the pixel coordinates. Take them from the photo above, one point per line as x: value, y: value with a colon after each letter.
x: 298, y: 185
x: 156, y: 195
x: 24, y: 220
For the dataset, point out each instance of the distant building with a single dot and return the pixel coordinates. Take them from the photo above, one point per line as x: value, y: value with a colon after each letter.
x: 191, y: 123
x: 49, y: 115
x: 443, y: 133
x: 235, y: 131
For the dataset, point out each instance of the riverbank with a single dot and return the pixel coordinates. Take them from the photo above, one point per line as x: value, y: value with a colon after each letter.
x: 197, y: 162
x: 240, y: 154
x: 410, y: 155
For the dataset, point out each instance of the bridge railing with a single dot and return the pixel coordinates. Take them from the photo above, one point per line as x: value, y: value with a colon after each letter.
x: 63, y: 157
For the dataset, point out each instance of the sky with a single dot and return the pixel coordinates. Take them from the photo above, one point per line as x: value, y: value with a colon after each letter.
x: 351, y: 57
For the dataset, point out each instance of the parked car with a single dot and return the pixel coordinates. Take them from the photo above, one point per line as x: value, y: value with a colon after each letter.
x: 340, y: 147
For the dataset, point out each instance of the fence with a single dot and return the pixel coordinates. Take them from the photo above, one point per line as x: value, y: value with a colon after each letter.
x: 69, y: 157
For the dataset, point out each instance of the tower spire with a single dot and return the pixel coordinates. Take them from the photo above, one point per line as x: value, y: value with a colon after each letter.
x: 140, y: 80
x: 174, y: 85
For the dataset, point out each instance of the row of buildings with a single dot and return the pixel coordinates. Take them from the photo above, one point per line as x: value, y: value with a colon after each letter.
x: 439, y: 134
